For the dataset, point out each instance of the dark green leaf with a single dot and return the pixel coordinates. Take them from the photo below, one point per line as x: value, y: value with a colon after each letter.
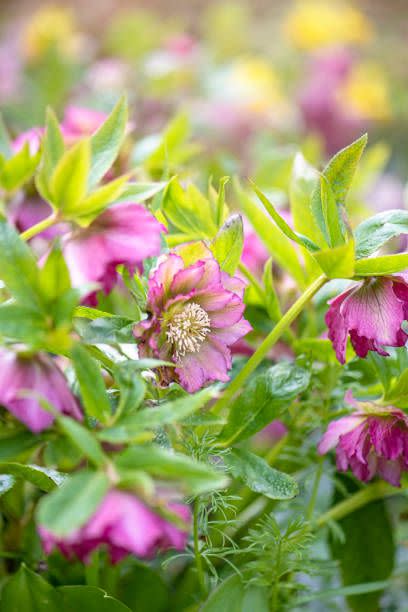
x: 259, y: 476
x: 227, y: 597
x: 107, y: 330
x: 28, y: 592
x: 70, y: 506
x: 89, y: 598
x: 45, y: 479
x: 376, y: 231
x: 92, y: 385
x: 367, y: 554
x: 266, y: 397
x: 142, y: 588
x: 18, y: 266
x: 195, y: 477
x: 82, y: 439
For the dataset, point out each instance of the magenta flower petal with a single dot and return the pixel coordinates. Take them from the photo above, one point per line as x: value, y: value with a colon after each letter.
x: 371, y: 313
x: 369, y: 442
x: 195, y: 316
x: 126, y: 526
x: 123, y: 234
x: 26, y: 379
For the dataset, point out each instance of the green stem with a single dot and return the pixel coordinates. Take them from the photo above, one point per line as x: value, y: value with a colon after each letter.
x: 197, y: 555
x: 316, y: 483
x: 40, y: 227
x: 268, y: 343
x: 377, y: 490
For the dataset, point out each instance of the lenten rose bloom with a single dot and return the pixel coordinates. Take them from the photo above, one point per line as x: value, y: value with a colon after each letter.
x: 32, y: 137
x: 24, y: 379
x: 195, y: 316
x: 372, y: 440
x: 126, y: 526
x: 123, y: 234
x: 371, y: 312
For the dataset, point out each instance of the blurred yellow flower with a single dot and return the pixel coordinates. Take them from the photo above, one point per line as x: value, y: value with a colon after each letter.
x: 366, y: 92
x: 255, y: 85
x: 50, y: 27
x: 316, y: 23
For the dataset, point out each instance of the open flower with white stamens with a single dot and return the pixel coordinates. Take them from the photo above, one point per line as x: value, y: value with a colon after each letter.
x: 196, y: 314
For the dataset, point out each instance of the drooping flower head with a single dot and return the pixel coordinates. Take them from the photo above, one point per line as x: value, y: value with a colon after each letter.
x: 123, y: 234
x: 195, y: 316
x: 372, y: 440
x: 24, y: 379
x: 126, y: 525
x: 370, y: 312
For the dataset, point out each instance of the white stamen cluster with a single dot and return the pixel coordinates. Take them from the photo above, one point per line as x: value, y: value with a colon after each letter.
x: 188, y: 330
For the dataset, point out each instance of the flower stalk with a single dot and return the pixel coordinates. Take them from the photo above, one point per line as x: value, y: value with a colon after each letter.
x: 40, y: 226
x: 268, y: 343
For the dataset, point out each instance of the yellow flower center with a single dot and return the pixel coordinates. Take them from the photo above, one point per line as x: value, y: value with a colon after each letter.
x: 188, y: 329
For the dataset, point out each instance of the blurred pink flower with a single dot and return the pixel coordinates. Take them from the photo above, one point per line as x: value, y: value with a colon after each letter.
x: 370, y: 441
x: 372, y: 313
x: 126, y: 526
x: 126, y: 234
x: 26, y: 212
x: 196, y: 314
x: 24, y: 378
x: 271, y: 434
x: 254, y: 253
x: 32, y: 137
x: 79, y: 121
x: 322, y: 112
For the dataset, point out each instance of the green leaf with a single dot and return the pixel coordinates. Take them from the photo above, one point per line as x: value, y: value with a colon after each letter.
x: 68, y: 185
x: 132, y: 388
x: 7, y: 482
x: 227, y: 597
x: 142, y: 588
x: 339, y: 173
x: 188, y: 210
x: 194, y: 476
x: 98, y: 200
x: 45, y: 479
x: 52, y: 150
x: 17, y: 170
x: 106, y: 142
x: 279, y: 245
x: 89, y: 598
x: 281, y: 223
x: 379, y: 266
x: 259, y: 476
x: 170, y: 147
x: 92, y: 385
x: 109, y: 329
x: 82, y: 439
x: 28, y: 592
x: 128, y: 427
x: 271, y: 297
x: 54, y: 275
x: 70, y: 506
x: 139, y: 192
x: 12, y: 446
x: 265, y: 398
x: 331, y: 214
x: 18, y: 267
x: 228, y: 244
x: 337, y: 262
x: 22, y: 324
x: 367, y: 555
x: 372, y: 233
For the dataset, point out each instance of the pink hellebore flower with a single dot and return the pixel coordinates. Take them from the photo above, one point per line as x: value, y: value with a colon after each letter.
x: 79, y: 122
x: 195, y: 316
x: 372, y: 440
x: 254, y: 253
x: 371, y: 312
x: 126, y: 526
x: 32, y: 137
x: 24, y: 379
x: 270, y: 435
x: 123, y: 234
